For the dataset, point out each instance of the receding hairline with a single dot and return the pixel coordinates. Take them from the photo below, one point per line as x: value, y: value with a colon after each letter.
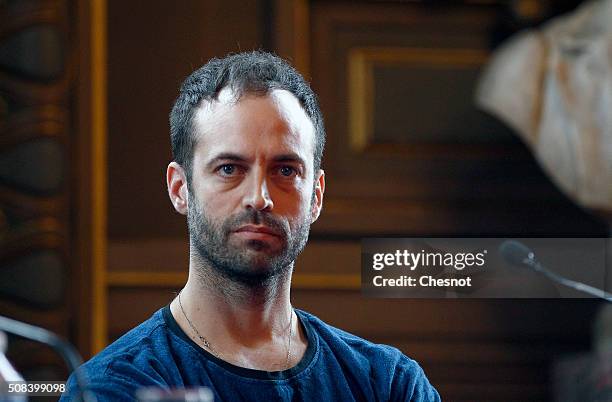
x: 238, y: 94
x: 207, y: 105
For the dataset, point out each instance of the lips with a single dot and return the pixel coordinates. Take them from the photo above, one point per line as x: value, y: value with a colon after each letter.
x: 258, y: 229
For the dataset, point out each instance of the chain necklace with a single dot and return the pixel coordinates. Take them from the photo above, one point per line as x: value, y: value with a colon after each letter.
x: 209, y: 346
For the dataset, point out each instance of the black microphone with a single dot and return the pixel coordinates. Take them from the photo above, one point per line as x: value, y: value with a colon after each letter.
x: 63, y: 348
x: 519, y: 254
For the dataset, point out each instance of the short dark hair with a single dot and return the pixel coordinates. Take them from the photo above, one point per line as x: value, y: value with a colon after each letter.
x: 255, y: 72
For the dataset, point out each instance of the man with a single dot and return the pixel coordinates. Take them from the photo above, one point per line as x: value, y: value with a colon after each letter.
x: 247, y: 139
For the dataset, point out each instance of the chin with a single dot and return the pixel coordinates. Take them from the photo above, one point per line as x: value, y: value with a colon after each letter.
x: 257, y: 275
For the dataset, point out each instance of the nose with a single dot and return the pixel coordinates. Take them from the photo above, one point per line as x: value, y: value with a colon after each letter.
x: 257, y: 196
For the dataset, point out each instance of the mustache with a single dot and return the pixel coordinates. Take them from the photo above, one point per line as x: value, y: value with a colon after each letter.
x: 255, y: 218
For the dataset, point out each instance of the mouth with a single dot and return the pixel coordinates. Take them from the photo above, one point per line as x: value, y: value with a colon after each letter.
x: 256, y: 231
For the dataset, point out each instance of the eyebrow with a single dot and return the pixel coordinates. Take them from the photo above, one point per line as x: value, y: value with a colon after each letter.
x: 226, y: 156
x: 229, y: 156
x: 291, y: 157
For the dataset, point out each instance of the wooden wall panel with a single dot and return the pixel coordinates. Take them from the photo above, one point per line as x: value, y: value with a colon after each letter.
x: 408, y: 173
x: 36, y: 136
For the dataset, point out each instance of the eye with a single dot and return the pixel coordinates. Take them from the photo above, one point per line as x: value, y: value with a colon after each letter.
x: 287, y: 171
x: 228, y: 170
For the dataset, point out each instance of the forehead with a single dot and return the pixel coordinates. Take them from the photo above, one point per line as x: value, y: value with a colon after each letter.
x: 275, y: 122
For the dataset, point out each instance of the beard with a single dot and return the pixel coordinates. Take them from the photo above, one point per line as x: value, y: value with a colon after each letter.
x: 252, y: 263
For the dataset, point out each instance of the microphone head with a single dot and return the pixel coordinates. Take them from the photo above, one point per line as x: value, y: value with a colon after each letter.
x: 516, y: 252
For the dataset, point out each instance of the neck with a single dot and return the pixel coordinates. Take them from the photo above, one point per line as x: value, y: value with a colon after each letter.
x: 248, y: 326
x: 246, y: 313
x: 251, y: 292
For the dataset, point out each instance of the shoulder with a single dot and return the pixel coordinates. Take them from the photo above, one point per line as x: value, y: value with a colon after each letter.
x: 136, y: 359
x: 394, y: 374
x: 341, y: 341
x: 147, y: 341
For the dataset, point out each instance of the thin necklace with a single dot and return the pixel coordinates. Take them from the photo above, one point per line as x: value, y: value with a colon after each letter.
x: 209, y: 346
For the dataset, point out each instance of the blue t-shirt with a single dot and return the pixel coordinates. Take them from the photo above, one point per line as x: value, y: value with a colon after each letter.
x: 336, y: 366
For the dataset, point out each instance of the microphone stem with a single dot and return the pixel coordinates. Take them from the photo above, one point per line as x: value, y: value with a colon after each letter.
x: 582, y: 287
x: 63, y: 348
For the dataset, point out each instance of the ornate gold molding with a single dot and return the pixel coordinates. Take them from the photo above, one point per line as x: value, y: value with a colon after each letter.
x: 361, y: 64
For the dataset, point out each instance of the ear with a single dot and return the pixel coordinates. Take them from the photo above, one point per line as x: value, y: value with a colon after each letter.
x: 317, y: 205
x: 176, y: 180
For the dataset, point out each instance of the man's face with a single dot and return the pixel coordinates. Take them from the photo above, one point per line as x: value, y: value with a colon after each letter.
x: 254, y: 193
